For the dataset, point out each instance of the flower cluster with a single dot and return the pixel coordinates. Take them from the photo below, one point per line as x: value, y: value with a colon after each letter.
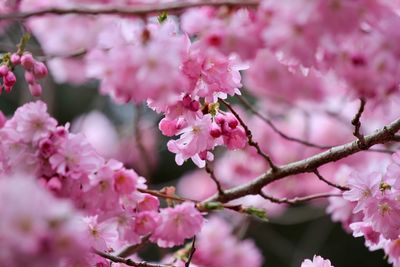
x: 371, y: 208
x: 34, y: 71
x: 108, y: 195
x: 36, y: 228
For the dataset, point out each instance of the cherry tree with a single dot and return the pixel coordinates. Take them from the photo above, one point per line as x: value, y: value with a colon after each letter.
x: 277, y: 103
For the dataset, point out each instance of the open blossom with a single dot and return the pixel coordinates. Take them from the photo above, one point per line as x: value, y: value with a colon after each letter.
x: 317, y: 261
x: 75, y: 157
x: 383, y: 213
x: 212, y: 75
x: 177, y: 224
x: 194, y: 139
x: 362, y: 188
x: 100, y: 235
x: 32, y: 122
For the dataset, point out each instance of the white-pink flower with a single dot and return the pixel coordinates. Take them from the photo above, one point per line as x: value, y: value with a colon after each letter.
x: 177, y: 224
x: 317, y: 261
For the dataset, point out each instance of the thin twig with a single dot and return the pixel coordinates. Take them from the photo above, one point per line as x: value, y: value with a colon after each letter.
x: 140, y: 10
x: 297, y: 140
x: 297, y: 200
x: 275, y: 128
x: 249, y: 134
x: 191, y: 253
x: 381, y: 136
x: 340, y: 187
x: 132, y: 249
x: 129, y: 262
x: 165, y: 196
x: 357, y: 124
x: 214, y: 178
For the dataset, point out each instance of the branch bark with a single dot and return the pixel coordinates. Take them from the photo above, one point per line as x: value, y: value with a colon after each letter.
x: 297, y: 200
x: 128, y: 262
x: 142, y: 10
x: 381, y: 136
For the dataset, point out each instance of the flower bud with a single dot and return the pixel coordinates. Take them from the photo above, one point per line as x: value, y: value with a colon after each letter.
x: 29, y: 77
x: 35, y: 89
x: 40, y: 70
x: 10, y: 79
x: 27, y: 61
x: 215, y: 131
x: 3, y: 70
x: 15, y: 59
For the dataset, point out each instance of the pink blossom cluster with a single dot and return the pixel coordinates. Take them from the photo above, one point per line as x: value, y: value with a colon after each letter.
x: 107, y: 194
x: 34, y: 70
x: 370, y: 208
x: 36, y: 228
x: 231, y: 251
x: 200, y: 130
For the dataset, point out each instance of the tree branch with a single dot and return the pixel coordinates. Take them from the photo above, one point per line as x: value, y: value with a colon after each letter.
x: 191, y: 252
x: 310, y: 164
x: 249, y: 134
x: 128, y: 262
x: 342, y: 188
x: 275, y: 128
x: 297, y: 200
x: 212, y: 175
x: 357, y: 124
x: 140, y: 10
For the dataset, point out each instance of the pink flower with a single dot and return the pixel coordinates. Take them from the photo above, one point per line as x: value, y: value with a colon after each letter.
x: 125, y: 181
x: 383, y: 214
x: 372, y: 238
x: 317, y: 261
x: 149, y: 203
x: 177, y: 224
x: 32, y: 122
x: 75, y: 158
x: 229, y: 252
x: 212, y: 74
x: 37, y: 229
x: 362, y: 188
x: 146, y: 222
x: 194, y: 139
x: 101, y: 235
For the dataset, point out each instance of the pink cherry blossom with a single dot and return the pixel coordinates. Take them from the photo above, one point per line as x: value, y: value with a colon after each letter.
x: 177, y: 224
x: 317, y: 261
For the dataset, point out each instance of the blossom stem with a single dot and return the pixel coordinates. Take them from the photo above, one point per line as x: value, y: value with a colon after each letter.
x: 297, y: 200
x: 249, y: 134
x: 212, y: 175
x: 128, y: 262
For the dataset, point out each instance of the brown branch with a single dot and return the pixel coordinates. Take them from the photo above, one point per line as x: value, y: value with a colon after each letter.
x: 129, y: 262
x: 310, y: 164
x: 191, y: 253
x: 212, y: 175
x: 275, y: 128
x: 357, y: 124
x: 140, y: 10
x: 249, y: 135
x: 132, y: 249
x: 165, y: 196
x: 298, y: 140
x: 297, y: 200
x: 340, y: 187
